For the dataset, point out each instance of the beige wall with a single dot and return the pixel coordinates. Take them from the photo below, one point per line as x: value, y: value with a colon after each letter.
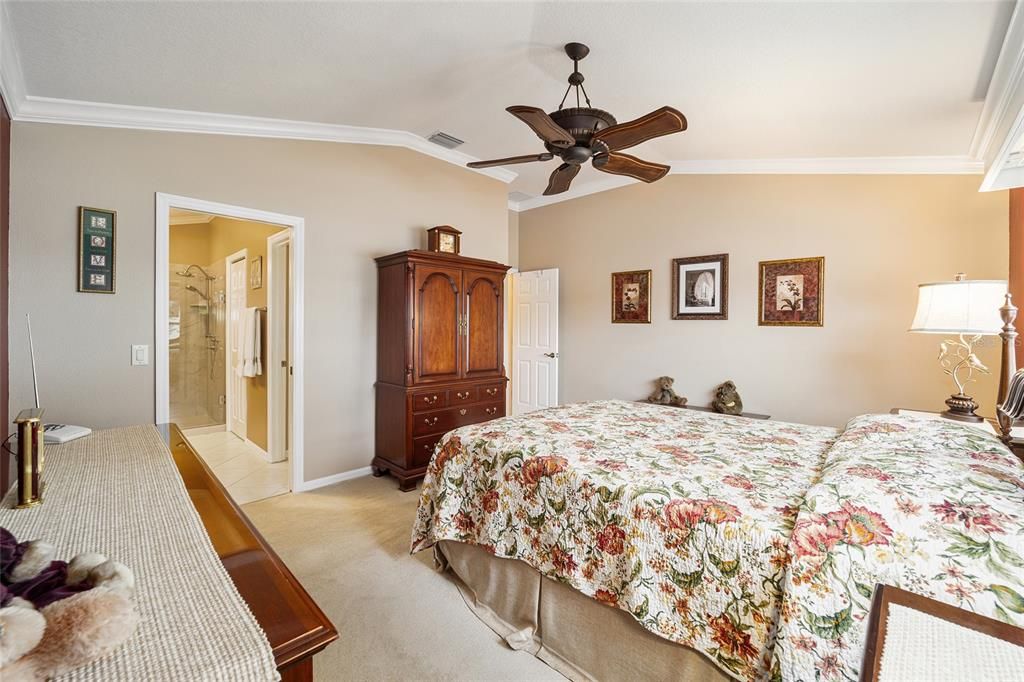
x: 880, y: 235
x: 513, y: 239
x: 206, y: 243
x: 358, y: 201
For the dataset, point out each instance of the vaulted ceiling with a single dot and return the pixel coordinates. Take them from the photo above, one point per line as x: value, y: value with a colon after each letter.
x: 757, y: 81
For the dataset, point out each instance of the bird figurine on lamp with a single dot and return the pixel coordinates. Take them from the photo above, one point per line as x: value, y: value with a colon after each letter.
x: 969, y: 309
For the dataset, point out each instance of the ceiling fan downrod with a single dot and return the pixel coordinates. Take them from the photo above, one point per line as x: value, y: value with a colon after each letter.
x: 576, y: 52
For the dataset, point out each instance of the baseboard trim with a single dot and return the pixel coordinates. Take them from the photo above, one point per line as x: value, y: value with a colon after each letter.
x: 306, y: 486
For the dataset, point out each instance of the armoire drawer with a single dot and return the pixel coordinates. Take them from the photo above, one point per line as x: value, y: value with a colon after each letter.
x: 489, y: 392
x: 443, y: 421
x: 429, y: 400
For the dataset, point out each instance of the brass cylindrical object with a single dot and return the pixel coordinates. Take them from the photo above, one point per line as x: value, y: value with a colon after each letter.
x: 30, y: 457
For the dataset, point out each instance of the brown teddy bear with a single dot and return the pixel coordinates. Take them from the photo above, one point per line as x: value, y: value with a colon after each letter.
x: 57, y: 616
x: 664, y: 395
x: 727, y: 399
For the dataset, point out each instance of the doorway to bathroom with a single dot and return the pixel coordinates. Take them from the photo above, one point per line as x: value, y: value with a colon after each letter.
x: 226, y: 367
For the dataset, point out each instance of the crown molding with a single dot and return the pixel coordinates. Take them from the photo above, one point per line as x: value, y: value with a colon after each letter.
x: 12, y: 83
x: 99, y: 114
x: 856, y: 165
x: 189, y: 220
x: 1004, y: 91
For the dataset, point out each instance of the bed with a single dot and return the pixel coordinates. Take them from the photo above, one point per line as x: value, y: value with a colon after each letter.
x: 754, y: 545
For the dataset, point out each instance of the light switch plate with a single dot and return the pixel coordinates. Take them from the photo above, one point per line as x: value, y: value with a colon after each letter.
x: 140, y: 355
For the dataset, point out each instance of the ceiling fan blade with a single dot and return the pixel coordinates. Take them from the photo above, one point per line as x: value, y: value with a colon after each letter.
x: 543, y: 125
x: 561, y: 178
x: 510, y: 160
x: 624, y: 164
x: 664, y: 121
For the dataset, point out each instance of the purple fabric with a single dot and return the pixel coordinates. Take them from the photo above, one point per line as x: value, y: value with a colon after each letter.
x: 10, y: 554
x: 48, y: 586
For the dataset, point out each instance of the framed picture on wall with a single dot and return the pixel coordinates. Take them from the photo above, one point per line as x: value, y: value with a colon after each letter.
x: 97, y: 235
x: 791, y: 292
x: 631, y: 296
x: 256, y: 273
x: 700, y: 287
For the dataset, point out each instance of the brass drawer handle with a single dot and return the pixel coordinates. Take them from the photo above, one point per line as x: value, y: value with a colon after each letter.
x: 462, y: 395
x: 463, y: 412
x: 491, y: 410
x: 492, y: 391
x: 431, y: 400
x: 426, y: 446
x: 430, y: 421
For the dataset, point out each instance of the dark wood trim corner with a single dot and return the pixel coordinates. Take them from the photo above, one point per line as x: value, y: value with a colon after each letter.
x: 887, y: 594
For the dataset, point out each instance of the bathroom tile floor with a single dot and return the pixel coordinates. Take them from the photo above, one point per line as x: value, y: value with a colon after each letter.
x: 240, y: 466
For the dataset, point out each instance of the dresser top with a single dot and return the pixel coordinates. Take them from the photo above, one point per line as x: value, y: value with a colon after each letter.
x: 420, y: 255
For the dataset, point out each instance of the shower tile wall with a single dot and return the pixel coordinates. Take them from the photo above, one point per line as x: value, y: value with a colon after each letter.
x: 196, y: 351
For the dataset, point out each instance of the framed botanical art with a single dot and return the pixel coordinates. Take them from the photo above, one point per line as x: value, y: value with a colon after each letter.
x: 97, y: 232
x: 791, y: 292
x: 631, y: 296
x: 700, y: 287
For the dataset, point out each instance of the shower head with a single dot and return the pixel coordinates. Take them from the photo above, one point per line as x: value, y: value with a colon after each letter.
x: 187, y: 272
x: 201, y: 294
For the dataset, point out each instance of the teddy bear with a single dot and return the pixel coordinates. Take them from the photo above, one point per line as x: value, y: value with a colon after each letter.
x: 56, y: 616
x: 727, y: 399
x: 664, y: 395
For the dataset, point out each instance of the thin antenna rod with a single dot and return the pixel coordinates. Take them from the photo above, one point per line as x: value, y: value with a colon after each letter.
x: 32, y: 352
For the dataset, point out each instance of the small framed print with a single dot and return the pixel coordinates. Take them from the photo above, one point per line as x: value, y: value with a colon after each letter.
x: 791, y: 292
x: 700, y: 287
x: 256, y: 273
x: 631, y: 297
x: 97, y: 236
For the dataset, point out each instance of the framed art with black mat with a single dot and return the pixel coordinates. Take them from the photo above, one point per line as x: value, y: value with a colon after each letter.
x: 700, y: 287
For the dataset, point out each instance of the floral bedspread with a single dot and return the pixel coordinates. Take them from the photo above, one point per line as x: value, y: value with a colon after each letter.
x: 934, y: 507
x: 683, y: 519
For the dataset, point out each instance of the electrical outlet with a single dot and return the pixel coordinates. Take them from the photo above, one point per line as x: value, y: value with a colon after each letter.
x: 140, y: 355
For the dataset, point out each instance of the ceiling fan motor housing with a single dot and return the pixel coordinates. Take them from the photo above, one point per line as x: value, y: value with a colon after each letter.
x: 581, y: 123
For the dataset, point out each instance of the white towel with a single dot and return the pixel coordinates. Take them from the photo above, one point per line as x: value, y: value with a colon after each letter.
x: 251, y: 351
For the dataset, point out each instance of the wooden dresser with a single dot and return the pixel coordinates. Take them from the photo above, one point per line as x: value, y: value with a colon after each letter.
x: 295, y: 626
x: 440, y: 354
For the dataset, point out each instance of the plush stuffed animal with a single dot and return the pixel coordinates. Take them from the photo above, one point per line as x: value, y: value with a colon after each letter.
x: 727, y: 399
x: 57, y: 616
x: 664, y: 395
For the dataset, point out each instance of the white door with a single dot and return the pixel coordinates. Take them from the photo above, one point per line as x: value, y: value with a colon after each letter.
x: 534, y: 340
x: 237, y: 406
x: 279, y: 364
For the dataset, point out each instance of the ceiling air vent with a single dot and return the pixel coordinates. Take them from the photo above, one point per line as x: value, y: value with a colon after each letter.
x: 445, y: 140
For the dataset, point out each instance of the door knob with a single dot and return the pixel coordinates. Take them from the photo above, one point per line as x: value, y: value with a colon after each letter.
x: 551, y: 355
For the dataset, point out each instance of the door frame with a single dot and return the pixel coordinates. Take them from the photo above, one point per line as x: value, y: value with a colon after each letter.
x: 297, y: 228
x: 278, y: 338
x: 242, y: 255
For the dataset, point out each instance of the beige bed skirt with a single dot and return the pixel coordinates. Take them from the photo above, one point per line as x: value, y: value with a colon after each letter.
x: 577, y: 636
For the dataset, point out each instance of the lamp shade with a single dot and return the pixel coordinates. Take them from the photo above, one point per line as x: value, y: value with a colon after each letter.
x: 969, y: 306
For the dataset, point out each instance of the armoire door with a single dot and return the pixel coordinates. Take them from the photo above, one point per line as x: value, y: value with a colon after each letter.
x: 436, y: 323
x: 485, y: 315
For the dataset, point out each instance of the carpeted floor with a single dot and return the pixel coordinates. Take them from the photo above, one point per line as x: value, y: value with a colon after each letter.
x: 398, y: 619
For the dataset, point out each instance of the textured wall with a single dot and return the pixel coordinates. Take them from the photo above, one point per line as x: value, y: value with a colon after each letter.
x: 880, y: 236
x: 358, y: 201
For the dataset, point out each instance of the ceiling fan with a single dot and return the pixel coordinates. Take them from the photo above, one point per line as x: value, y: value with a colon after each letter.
x: 580, y: 133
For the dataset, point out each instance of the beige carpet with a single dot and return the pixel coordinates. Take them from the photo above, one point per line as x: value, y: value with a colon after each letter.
x: 398, y: 619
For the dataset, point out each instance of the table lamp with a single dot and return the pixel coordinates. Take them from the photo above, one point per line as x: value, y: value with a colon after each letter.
x: 969, y: 309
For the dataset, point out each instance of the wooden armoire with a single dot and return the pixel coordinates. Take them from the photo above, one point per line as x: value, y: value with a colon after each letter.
x: 440, y: 354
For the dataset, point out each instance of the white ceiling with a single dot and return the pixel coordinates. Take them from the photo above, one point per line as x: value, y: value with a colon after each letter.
x: 758, y: 80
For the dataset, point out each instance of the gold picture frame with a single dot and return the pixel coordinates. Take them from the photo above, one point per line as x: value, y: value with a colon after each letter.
x: 631, y: 297
x: 802, y: 304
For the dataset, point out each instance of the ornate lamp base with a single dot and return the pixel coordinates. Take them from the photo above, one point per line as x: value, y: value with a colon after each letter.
x: 961, y: 408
